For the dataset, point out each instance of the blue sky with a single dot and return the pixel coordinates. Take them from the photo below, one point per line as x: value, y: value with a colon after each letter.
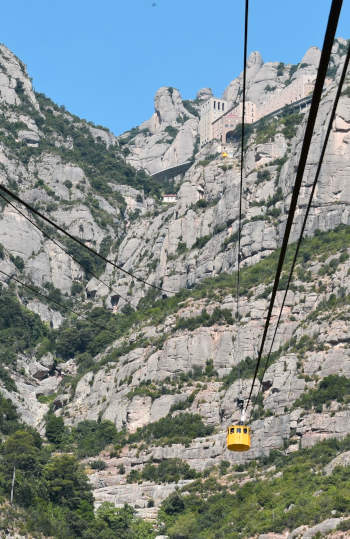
x: 105, y: 60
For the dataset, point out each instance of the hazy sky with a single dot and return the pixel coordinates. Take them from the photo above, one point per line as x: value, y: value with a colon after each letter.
x: 105, y: 59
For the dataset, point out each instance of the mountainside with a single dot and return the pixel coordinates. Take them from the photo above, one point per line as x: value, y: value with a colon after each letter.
x: 141, y: 384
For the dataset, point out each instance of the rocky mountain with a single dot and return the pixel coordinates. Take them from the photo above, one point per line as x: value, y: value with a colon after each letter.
x: 142, y: 384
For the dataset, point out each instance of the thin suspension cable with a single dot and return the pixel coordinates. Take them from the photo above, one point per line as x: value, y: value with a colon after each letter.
x: 62, y: 248
x: 95, y: 253
x: 323, y: 151
x: 242, y: 153
x: 316, y: 98
x: 37, y: 292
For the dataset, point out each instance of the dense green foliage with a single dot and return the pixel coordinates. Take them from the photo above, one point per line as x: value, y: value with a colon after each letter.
x: 9, y: 420
x: 53, y: 490
x: 219, y: 316
x: 55, y: 429
x: 331, y: 388
x: 287, y: 124
x: 167, y: 471
x: 181, y: 429
x: 91, y: 436
x: 20, y: 331
x: 300, y: 494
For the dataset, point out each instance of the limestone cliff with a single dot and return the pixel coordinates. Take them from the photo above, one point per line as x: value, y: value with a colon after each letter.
x: 179, y: 352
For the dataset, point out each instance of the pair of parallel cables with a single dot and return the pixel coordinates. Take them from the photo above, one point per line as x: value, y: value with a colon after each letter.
x: 316, y: 98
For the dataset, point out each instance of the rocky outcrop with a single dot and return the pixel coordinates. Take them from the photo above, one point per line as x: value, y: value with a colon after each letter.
x: 177, y: 247
x: 168, y: 138
x: 341, y: 460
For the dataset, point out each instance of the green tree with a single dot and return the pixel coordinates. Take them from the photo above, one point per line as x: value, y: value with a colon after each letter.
x: 123, y: 523
x: 67, y: 484
x: 8, y: 416
x: 55, y: 429
x: 20, y: 451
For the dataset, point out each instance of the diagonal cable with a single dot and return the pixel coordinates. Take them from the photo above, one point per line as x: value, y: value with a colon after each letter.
x: 38, y: 293
x: 316, y: 98
x: 101, y: 327
x: 242, y: 154
x: 328, y: 132
x: 77, y: 240
x: 61, y: 247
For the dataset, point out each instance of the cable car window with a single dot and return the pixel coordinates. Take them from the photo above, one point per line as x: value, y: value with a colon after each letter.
x: 232, y: 430
x: 245, y: 431
x: 238, y: 430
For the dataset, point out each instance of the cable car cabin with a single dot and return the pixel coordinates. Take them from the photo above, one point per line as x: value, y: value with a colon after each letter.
x: 238, y: 438
x: 224, y: 154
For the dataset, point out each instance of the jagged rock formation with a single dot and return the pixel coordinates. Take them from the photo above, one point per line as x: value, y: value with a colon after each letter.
x: 183, y: 357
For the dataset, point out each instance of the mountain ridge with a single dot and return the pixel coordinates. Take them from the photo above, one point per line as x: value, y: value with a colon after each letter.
x: 158, y: 384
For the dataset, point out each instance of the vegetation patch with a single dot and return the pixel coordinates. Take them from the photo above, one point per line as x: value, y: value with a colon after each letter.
x: 219, y: 316
x: 331, y: 388
x: 181, y: 429
x: 52, y: 494
x: 299, y: 494
x: 167, y: 471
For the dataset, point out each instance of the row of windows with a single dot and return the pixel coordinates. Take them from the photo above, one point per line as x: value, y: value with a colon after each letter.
x: 239, y: 430
x: 218, y: 105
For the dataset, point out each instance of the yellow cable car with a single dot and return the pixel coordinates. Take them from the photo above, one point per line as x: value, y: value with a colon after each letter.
x: 224, y: 154
x: 238, y: 438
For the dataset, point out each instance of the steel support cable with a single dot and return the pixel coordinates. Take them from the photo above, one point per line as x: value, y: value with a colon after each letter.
x: 62, y: 248
x: 323, y: 151
x: 242, y: 153
x: 38, y: 293
x: 82, y: 244
x: 316, y: 98
x: 239, y: 400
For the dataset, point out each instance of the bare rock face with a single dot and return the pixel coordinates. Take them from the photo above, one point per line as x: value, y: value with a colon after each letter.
x: 312, y: 57
x: 254, y: 64
x: 341, y: 460
x: 138, y: 495
x: 168, y: 138
x: 323, y: 528
x: 14, y: 81
x: 204, y: 94
x: 167, y: 104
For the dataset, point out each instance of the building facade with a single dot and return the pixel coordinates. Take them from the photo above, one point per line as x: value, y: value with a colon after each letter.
x: 212, y: 109
x: 219, y: 118
x: 223, y: 126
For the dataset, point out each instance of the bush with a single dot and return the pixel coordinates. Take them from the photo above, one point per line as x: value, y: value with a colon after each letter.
x: 98, y: 465
x: 181, y: 247
x: 18, y: 262
x: 280, y: 69
x: 9, y: 418
x: 167, y: 471
x: 172, y: 131
x: 263, y: 175
x: 200, y: 242
x: 91, y: 437
x: 170, y: 430
x: 191, y: 109
x: 331, y: 388
x: 55, y: 429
